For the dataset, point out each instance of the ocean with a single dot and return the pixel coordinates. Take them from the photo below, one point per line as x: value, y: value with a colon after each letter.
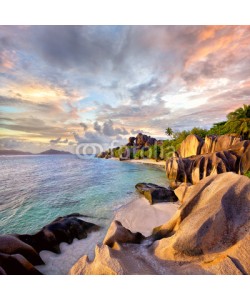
x: 35, y: 190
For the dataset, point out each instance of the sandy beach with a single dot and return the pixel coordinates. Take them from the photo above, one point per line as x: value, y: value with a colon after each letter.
x: 140, y: 216
x: 147, y: 161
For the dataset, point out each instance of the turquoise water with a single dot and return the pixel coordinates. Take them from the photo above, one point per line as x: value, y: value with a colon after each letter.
x: 34, y: 190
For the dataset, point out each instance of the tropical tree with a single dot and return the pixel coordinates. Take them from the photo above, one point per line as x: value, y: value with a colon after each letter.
x: 169, y: 131
x: 240, y: 113
x: 239, y: 121
x: 218, y: 128
x: 199, y: 131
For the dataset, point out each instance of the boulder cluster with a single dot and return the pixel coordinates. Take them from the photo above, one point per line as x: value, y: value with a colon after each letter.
x: 138, y: 142
x: 198, y: 158
x: 141, y: 140
x: 209, y: 234
x: 20, y: 253
x: 211, y: 228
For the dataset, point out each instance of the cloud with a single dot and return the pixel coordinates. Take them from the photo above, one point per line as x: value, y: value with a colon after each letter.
x: 109, y: 130
x: 97, y: 127
x: 84, y: 126
x: 55, y: 141
x: 133, y: 115
x: 136, y: 131
x: 118, y: 79
x: 59, y: 141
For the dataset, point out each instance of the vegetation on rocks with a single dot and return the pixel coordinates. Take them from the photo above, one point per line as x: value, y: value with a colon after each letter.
x: 143, y: 146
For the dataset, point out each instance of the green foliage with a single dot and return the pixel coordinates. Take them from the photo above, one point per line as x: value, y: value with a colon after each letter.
x: 137, y: 154
x: 131, y: 153
x: 239, y: 113
x: 151, y: 152
x: 115, y: 152
x: 179, y: 137
x: 218, y: 128
x: 247, y: 174
x: 169, y: 131
x: 146, y: 153
x: 154, y: 152
x: 238, y: 122
x: 199, y: 131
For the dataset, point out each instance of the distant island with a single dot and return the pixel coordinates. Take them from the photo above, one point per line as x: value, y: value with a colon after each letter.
x: 47, y: 152
x: 54, y: 152
x: 14, y: 152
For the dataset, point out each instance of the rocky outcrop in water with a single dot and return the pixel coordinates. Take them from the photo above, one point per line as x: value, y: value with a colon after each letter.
x: 155, y: 193
x: 19, y: 253
x: 209, y: 234
x: 196, y: 167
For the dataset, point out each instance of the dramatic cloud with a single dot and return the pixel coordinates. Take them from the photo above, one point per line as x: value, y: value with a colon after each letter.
x: 97, y: 127
x: 109, y: 130
x: 59, y: 141
x: 84, y: 126
x: 63, y: 85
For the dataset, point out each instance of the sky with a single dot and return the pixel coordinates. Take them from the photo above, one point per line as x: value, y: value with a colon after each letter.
x: 61, y: 86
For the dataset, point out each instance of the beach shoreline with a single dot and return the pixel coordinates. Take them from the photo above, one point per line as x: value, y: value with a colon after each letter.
x: 140, y: 216
x: 147, y: 161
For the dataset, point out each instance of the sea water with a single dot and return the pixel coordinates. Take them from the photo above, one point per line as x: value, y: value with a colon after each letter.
x: 34, y: 190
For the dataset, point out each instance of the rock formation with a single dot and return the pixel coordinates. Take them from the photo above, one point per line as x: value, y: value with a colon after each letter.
x: 215, y: 143
x: 195, y: 145
x: 131, y: 141
x: 119, y: 234
x: 211, y: 227
x: 10, y: 245
x: 155, y: 193
x: 62, y: 229
x: 209, y: 234
x: 102, y: 154
x: 196, y: 167
x: 19, y: 253
x: 191, y: 146
x: 16, y: 264
x: 141, y: 140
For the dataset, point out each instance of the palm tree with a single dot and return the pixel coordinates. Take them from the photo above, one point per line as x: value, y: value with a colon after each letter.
x: 169, y: 131
x: 239, y: 121
x: 242, y: 112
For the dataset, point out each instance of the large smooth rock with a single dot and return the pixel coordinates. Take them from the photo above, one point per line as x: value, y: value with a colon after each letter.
x: 130, y: 259
x: 142, y: 140
x: 16, y: 264
x: 119, y: 234
x: 209, y: 234
x: 155, y: 193
x: 195, y: 168
x: 215, y: 143
x: 10, y: 244
x: 131, y: 141
x: 19, y: 253
x: 212, y: 227
x: 181, y: 191
x: 191, y: 146
x: 62, y: 229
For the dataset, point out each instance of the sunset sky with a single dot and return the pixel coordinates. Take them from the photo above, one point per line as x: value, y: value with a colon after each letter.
x: 64, y: 85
